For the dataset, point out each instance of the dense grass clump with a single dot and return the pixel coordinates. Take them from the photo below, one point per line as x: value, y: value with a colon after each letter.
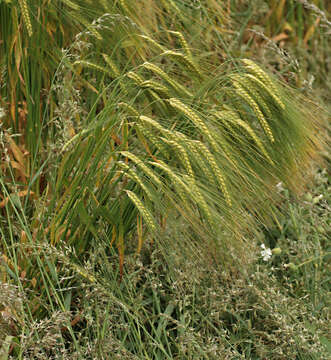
x: 143, y: 163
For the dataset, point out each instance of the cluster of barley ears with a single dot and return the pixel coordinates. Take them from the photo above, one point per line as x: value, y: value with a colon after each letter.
x: 208, y: 143
x: 158, y: 129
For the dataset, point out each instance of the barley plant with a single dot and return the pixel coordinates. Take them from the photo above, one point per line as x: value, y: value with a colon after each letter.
x: 139, y: 160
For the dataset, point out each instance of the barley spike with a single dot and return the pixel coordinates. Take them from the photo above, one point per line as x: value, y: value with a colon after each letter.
x: 26, y: 16
x: 177, y: 104
x: 245, y: 96
x: 142, y: 209
x: 142, y: 165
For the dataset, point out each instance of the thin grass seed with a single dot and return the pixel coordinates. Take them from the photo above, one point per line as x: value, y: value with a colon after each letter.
x: 90, y: 27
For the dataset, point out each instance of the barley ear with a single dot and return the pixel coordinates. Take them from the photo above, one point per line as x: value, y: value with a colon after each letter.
x: 235, y: 119
x: 212, y: 162
x: 265, y: 89
x: 155, y: 140
x: 184, y: 59
x: 153, y: 42
x: 129, y: 108
x: 134, y: 176
x: 155, y: 86
x: 111, y: 64
x: 177, y: 104
x: 149, y: 172
x: 135, y: 77
x: 182, y: 154
x: 124, y: 7
x: 91, y: 65
x: 174, y: 84
x: 26, y: 16
x: 142, y: 209
x: 183, y: 42
x: 200, y: 200
x: 70, y: 4
x: 252, y: 89
x: 183, y: 190
x: 263, y: 76
x: 246, y: 97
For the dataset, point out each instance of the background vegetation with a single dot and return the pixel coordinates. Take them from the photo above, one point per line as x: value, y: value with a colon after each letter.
x: 165, y: 179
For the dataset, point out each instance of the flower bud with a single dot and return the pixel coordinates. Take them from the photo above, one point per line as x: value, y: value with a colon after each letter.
x: 292, y: 266
x: 277, y: 251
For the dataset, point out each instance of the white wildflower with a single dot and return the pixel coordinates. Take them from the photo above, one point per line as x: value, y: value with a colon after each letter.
x: 317, y: 199
x: 280, y: 187
x: 2, y: 112
x: 266, y: 253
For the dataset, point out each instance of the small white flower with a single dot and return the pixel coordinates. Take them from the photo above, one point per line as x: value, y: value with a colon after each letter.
x: 280, y: 187
x: 266, y: 253
x: 317, y: 199
x: 2, y: 112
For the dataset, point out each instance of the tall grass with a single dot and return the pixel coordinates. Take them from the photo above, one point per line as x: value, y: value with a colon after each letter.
x: 121, y: 136
x: 292, y: 36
